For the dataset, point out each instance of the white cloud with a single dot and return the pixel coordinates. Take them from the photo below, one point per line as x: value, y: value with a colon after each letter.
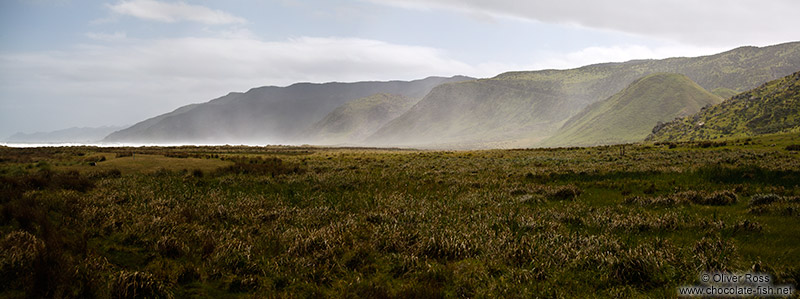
x: 107, y: 37
x: 250, y: 61
x: 174, y: 12
x: 137, y: 79
x: 621, y: 53
x: 708, y: 22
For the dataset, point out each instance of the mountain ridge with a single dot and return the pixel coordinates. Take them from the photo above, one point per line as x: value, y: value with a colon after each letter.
x: 629, y: 115
x: 265, y: 114
x: 523, y: 108
x: 355, y: 120
x: 69, y: 135
x: 512, y: 109
x: 771, y: 108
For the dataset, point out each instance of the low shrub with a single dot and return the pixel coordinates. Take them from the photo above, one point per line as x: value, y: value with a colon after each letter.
x: 566, y: 192
x: 764, y: 199
x: 718, y: 198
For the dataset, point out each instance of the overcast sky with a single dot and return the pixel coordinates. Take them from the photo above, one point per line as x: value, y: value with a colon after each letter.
x: 67, y: 63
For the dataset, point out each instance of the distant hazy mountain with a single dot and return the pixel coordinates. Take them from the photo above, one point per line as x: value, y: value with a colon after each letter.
x: 629, y: 115
x: 771, y: 108
x: 264, y: 114
x: 71, y: 135
x: 352, y: 122
x: 523, y: 108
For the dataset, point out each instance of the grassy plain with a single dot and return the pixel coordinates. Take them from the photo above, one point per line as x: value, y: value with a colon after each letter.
x: 611, y: 221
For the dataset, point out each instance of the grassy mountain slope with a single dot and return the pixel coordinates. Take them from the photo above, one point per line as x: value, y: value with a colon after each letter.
x: 773, y: 107
x: 357, y: 119
x: 265, y: 114
x: 523, y: 108
x: 724, y: 93
x: 629, y: 115
x: 459, y: 113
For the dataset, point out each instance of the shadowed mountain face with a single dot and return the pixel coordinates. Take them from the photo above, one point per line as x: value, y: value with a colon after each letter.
x: 629, y: 115
x: 771, y: 108
x: 519, y: 109
x: 265, y: 114
x: 358, y: 119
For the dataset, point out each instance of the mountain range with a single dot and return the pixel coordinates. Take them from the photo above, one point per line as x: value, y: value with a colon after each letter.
x: 75, y: 134
x: 596, y: 104
x: 273, y: 115
x: 771, y: 108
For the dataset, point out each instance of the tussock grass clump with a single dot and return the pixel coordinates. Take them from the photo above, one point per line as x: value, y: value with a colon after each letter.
x: 261, y: 166
x: 714, y: 254
x: 707, y: 144
x: 126, y: 284
x: 449, y: 245
x: 171, y: 247
x: 47, y: 179
x: 91, y: 278
x: 234, y: 255
x: 747, y: 226
x: 749, y: 173
x: 647, y: 265
x: 689, y: 196
x: 764, y: 199
x: 657, y: 201
x: 565, y: 192
x: 779, y: 208
x: 718, y: 198
x: 613, y: 220
x: 20, y: 254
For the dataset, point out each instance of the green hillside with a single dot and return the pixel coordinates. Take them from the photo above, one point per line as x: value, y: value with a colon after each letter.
x: 357, y: 119
x: 629, y: 115
x: 773, y: 107
x: 520, y: 109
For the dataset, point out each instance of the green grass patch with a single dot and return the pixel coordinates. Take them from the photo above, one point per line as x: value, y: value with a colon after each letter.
x: 244, y: 221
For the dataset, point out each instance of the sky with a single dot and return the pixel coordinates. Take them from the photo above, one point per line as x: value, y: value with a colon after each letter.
x: 92, y: 63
